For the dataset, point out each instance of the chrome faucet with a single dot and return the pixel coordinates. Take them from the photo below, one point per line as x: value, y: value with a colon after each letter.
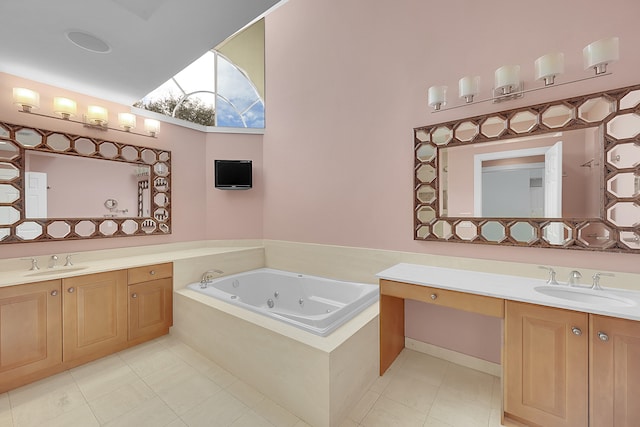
x: 596, y: 280
x: 207, y: 276
x: 34, y: 263
x: 574, y: 278
x: 52, y: 261
x: 552, y: 275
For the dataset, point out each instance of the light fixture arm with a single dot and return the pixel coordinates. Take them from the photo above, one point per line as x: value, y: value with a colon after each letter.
x: 89, y: 125
x: 493, y: 98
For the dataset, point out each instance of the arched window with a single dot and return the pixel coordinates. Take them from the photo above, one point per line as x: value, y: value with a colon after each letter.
x: 213, y: 91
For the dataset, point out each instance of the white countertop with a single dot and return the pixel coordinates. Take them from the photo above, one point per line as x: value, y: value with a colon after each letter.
x: 514, y: 288
x: 81, y: 267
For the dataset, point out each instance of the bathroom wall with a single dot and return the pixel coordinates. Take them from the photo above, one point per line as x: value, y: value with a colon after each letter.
x: 347, y: 83
x: 234, y: 214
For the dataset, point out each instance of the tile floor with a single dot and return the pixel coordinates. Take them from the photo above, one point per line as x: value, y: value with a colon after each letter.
x: 166, y: 383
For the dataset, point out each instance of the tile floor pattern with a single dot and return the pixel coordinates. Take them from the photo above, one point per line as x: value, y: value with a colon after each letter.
x: 166, y: 383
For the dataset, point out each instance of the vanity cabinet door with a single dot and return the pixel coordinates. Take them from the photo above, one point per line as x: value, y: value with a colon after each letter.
x: 94, y: 315
x: 546, y: 365
x: 615, y: 372
x: 30, y: 331
x: 150, y: 308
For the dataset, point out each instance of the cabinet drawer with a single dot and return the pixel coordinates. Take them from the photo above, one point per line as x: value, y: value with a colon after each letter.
x: 150, y: 272
x: 481, y: 304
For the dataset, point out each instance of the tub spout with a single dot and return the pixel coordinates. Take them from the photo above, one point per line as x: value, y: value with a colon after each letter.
x: 207, y: 276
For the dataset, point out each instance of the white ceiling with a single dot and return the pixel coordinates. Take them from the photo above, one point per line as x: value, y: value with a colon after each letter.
x: 150, y: 40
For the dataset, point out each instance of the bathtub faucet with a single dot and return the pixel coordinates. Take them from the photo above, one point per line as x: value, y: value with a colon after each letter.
x: 207, y: 276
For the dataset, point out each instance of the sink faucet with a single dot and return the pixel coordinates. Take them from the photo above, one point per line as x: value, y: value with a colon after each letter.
x: 596, y: 280
x: 52, y: 261
x: 207, y: 276
x: 34, y: 263
x: 552, y: 275
x: 574, y: 278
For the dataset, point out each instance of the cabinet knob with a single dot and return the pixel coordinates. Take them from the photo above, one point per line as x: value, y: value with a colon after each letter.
x: 71, y: 290
x: 152, y: 272
x: 603, y: 336
x: 434, y: 296
x: 54, y: 293
x: 576, y: 331
x: 134, y: 295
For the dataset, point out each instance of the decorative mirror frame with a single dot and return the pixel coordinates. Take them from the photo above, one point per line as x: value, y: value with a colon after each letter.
x: 158, y: 161
x: 597, y: 234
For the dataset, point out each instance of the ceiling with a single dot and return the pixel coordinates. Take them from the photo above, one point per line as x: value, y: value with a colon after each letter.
x: 148, y: 40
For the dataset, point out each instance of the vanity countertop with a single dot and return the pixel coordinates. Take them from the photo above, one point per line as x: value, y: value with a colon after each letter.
x: 82, y: 267
x: 624, y: 303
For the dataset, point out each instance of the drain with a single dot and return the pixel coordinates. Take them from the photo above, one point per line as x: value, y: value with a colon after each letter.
x: 234, y: 296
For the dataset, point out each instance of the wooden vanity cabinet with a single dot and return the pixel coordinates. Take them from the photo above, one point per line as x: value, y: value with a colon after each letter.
x: 570, y: 369
x: 545, y: 365
x: 614, y: 372
x: 51, y: 326
x: 94, y: 314
x: 150, y: 301
x: 30, y: 331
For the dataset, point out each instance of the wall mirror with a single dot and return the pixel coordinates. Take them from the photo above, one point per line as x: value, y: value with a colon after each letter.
x: 58, y: 186
x: 563, y: 174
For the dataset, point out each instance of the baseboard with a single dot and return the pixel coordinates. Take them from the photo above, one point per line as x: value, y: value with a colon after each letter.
x: 454, y: 357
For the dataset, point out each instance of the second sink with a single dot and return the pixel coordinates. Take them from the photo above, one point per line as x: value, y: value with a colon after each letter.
x: 585, y: 296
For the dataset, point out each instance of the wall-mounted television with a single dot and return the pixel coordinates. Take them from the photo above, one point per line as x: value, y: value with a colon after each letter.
x: 233, y: 174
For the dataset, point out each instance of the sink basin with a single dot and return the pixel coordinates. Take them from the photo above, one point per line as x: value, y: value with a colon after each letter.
x: 586, y: 296
x: 51, y: 271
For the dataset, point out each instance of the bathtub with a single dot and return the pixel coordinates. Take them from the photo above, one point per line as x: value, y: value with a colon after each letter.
x: 314, y: 304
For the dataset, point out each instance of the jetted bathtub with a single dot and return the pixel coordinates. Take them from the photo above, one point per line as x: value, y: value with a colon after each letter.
x: 314, y: 304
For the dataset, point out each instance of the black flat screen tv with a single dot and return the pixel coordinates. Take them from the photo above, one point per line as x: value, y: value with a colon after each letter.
x: 233, y: 174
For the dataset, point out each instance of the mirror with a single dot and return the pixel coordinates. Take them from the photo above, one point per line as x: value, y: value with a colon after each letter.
x: 56, y: 186
x: 561, y: 174
x: 517, y: 177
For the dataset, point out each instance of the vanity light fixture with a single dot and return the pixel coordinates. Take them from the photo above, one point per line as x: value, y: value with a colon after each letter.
x: 152, y: 126
x: 437, y: 97
x: 127, y: 121
x: 65, y: 107
x: 468, y: 87
x: 26, y: 98
x: 600, y: 53
x: 548, y: 67
x: 508, y: 84
x: 96, y: 118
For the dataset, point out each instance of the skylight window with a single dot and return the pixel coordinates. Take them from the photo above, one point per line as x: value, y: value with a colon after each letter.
x: 213, y: 90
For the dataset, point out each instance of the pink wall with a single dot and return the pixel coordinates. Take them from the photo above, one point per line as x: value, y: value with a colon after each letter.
x: 347, y: 83
x: 234, y: 214
x: 191, y: 156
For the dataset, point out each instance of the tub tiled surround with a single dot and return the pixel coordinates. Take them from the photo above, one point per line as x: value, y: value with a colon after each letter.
x: 317, y: 378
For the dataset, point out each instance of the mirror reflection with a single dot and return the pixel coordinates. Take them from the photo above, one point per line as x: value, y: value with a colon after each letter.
x: 59, y: 186
x: 554, y: 175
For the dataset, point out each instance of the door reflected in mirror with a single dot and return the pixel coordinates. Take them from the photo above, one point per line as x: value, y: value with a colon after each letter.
x: 554, y: 175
